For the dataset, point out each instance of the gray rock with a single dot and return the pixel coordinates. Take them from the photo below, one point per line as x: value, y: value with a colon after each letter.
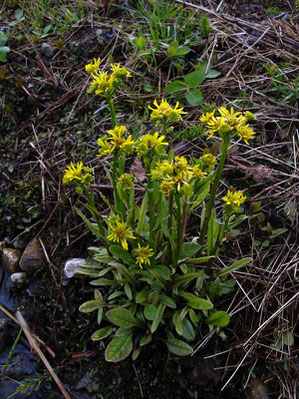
x: 18, y: 244
x: 71, y: 266
x: 32, y: 258
x: 100, y: 36
x: 19, y: 278
x: 47, y: 50
x: 10, y: 260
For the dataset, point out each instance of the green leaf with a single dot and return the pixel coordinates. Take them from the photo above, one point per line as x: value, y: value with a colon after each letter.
x: 161, y: 271
x: 150, y: 312
x: 193, y: 317
x: 121, y: 253
x: 146, y: 339
x: 178, y: 347
x: 189, y: 249
x: 3, y: 51
x: 212, y: 74
x: 3, y: 40
x: 19, y: 14
x: 119, y: 348
x: 177, y: 321
x: 235, y: 266
x: 153, y: 297
x: 122, y: 317
x: 100, y: 316
x: 141, y: 297
x: 102, y: 333
x: 219, y: 318
x: 195, y: 302
x: 213, y: 231
x: 188, y: 331
x: 195, y: 78
x: 128, y: 291
x: 166, y: 300
x: 103, y: 282
x: 157, y: 321
x: 175, y: 86
x: 136, y: 354
x: 277, y: 232
x: 200, y: 261
x: 90, y: 306
x: 194, y: 97
x: 93, y: 227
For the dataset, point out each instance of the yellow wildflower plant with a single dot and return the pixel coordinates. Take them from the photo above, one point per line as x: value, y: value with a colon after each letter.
x: 231, y: 118
x: 120, y: 72
x: 167, y: 186
x: 162, y: 169
x: 164, y: 111
x: 105, y: 147
x: 245, y: 133
x: 74, y: 173
x: 150, y: 142
x: 92, y: 67
x: 209, y: 159
x: 126, y: 182
x: 205, y: 118
x: 197, y: 172
x: 143, y: 255
x: 102, y: 83
x: 234, y: 198
x: 120, y: 233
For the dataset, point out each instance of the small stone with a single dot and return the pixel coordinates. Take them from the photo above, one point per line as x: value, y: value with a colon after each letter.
x: 32, y: 258
x: 47, y: 50
x: 10, y: 260
x: 100, y: 36
x: 71, y: 266
x: 19, y: 278
x: 19, y: 244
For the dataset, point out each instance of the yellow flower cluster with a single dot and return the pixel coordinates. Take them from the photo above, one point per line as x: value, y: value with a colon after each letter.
x: 229, y: 121
x: 150, y: 143
x: 176, y: 174
x: 115, y: 141
x: 143, y: 255
x: 77, y: 174
x: 120, y: 233
x: 126, y: 181
x: 104, y: 82
x: 234, y: 199
x: 164, y: 112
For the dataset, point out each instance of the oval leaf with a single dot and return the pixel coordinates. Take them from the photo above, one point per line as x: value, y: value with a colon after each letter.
x: 219, y: 318
x: 178, y: 347
x: 119, y: 348
x: 194, y: 97
x: 122, y: 318
x: 150, y: 312
x: 175, y: 86
x: 102, y: 333
x: 189, y: 249
x: 195, y: 78
x: 121, y: 253
x: 90, y: 306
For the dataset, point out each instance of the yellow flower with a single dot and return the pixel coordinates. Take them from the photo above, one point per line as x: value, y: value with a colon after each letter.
x: 93, y: 66
x: 198, y: 172
x: 234, y: 198
x: 207, y: 117
x: 245, y: 133
x: 126, y: 181
x: 209, y: 159
x: 143, y: 255
x: 149, y: 142
x: 105, y: 147
x: 102, y: 82
x: 162, y: 169
x: 73, y: 173
x: 231, y: 117
x: 166, y: 186
x: 120, y: 72
x: 120, y: 233
x: 181, y: 166
x: 215, y: 125
x: 165, y: 111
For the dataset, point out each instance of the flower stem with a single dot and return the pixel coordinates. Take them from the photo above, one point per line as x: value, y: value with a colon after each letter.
x: 218, y: 173
x: 112, y: 110
x: 179, y: 230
